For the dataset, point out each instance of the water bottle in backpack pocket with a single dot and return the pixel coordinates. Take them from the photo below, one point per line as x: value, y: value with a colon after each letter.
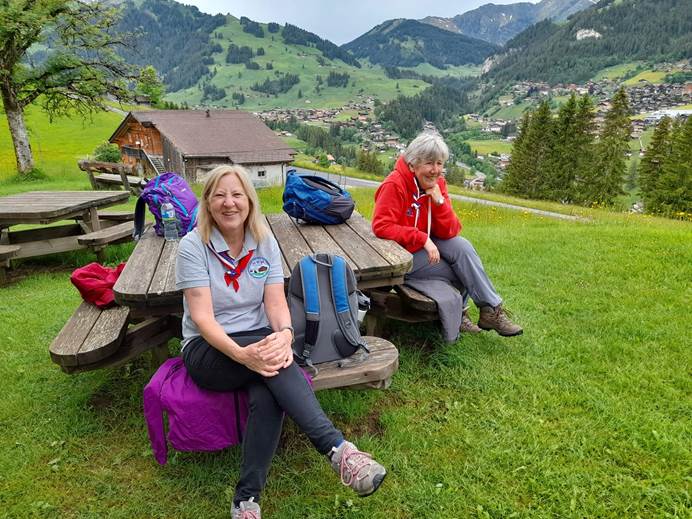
x: 168, y: 191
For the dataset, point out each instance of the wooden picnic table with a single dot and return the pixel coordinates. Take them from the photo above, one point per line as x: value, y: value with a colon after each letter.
x: 147, y: 284
x: 47, y: 207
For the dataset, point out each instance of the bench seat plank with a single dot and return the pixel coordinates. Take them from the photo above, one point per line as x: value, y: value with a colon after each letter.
x: 376, y: 371
x: 9, y: 251
x: 89, y: 335
x: 117, y: 216
x: 121, y: 231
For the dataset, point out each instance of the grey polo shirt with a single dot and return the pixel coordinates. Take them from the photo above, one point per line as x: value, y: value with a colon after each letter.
x: 197, y: 266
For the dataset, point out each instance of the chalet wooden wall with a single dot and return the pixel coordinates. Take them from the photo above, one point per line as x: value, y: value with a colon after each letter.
x: 149, y: 140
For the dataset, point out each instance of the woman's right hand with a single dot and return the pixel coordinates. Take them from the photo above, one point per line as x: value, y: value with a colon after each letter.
x: 433, y: 253
x: 253, y: 356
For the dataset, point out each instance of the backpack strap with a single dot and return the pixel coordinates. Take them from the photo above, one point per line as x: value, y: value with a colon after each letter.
x: 311, y: 298
x: 139, y: 219
x: 341, y: 302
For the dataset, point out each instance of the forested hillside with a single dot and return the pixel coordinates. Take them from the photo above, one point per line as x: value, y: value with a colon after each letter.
x: 407, y: 43
x: 614, y: 32
x: 225, y: 61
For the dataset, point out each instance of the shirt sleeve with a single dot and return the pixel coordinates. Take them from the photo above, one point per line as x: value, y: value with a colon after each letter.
x: 276, y: 270
x: 445, y: 223
x: 191, y: 267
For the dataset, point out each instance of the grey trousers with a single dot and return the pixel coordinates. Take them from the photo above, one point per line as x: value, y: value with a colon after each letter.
x: 460, y: 267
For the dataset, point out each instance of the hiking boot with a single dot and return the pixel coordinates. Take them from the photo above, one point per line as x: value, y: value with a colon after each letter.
x: 467, y: 325
x: 357, y: 469
x: 246, y: 510
x: 497, y: 319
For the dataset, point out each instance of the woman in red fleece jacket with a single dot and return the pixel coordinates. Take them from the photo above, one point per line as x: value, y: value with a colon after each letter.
x: 412, y: 207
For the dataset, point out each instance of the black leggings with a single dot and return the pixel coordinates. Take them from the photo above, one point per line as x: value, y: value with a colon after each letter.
x: 268, y: 398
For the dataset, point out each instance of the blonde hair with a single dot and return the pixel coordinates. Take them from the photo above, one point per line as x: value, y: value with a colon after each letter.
x: 426, y: 147
x: 254, y: 223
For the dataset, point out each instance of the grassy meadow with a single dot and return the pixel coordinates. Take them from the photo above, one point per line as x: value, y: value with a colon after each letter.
x: 585, y: 415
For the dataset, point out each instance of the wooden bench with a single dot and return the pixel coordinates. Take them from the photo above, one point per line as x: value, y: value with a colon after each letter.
x: 374, y: 370
x: 109, y: 174
x: 401, y: 303
x: 97, y: 240
x: 6, y: 253
x: 94, y: 338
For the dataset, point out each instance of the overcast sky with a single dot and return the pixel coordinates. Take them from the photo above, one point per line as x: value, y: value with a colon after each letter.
x: 338, y: 20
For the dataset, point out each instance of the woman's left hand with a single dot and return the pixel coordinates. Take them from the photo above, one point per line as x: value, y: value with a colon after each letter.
x: 278, y: 347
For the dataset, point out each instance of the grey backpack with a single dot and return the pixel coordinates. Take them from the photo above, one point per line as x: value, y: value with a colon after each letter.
x: 323, y: 299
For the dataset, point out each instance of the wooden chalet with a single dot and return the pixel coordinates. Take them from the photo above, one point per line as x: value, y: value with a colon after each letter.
x: 192, y: 142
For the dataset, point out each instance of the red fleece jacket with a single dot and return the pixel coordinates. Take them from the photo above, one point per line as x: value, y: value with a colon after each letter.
x: 394, y: 217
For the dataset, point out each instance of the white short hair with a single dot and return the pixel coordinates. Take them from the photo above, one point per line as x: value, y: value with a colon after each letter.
x: 426, y: 147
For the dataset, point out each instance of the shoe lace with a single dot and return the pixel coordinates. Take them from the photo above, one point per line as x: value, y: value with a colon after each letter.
x: 352, y: 463
x: 504, y: 314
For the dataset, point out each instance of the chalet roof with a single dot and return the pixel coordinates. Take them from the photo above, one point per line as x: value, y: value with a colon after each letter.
x: 235, y: 134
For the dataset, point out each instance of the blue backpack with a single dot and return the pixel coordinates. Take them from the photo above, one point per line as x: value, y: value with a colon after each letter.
x: 167, y: 187
x: 324, y: 300
x: 315, y: 199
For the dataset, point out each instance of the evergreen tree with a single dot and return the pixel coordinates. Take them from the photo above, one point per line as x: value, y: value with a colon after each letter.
x: 652, y: 164
x: 583, y: 151
x: 514, y: 179
x: 606, y: 180
x: 561, y: 174
x: 674, y: 186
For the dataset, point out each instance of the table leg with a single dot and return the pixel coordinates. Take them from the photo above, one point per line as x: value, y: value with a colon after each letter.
x: 93, y: 219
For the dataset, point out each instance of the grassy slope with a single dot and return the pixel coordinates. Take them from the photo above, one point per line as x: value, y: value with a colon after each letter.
x: 294, y: 59
x: 586, y: 415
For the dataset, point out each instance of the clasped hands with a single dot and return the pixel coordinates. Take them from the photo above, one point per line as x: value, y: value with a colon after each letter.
x: 271, y: 354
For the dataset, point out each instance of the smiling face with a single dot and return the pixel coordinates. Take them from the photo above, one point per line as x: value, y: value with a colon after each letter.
x: 427, y: 172
x: 229, y: 205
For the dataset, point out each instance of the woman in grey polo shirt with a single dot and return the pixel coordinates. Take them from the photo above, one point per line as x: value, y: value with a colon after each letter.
x: 237, y: 334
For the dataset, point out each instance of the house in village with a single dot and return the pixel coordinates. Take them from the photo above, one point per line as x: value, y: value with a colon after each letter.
x: 192, y: 142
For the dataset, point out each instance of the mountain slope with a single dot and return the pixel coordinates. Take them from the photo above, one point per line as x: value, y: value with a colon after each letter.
x: 500, y: 23
x: 407, y: 43
x: 614, y: 32
x: 224, y: 61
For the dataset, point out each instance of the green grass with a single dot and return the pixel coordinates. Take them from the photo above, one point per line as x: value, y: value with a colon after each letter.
x: 58, y: 145
x: 484, y: 147
x: 585, y: 415
x: 513, y: 112
x: 652, y: 76
x: 616, y: 71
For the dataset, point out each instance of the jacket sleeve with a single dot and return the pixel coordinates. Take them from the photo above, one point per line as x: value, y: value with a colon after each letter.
x: 389, y: 218
x: 445, y: 224
x: 153, y: 414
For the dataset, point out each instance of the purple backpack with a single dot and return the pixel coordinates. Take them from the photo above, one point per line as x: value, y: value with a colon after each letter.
x: 167, y: 187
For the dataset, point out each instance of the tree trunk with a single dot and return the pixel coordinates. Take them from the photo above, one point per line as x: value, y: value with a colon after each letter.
x: 15, y: 120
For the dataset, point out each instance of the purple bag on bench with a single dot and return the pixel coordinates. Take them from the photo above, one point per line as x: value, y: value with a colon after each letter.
x: 167, y: 187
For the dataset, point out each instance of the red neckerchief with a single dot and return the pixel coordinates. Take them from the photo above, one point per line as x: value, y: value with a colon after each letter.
x: 233, y: 269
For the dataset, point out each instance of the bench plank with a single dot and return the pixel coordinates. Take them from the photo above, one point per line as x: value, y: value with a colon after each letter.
x: 122, y: 231
x: 64, y: 348
x: 8, y: 251
x: 105, y: 336
x: 376, y: 371
x: 394, y: 255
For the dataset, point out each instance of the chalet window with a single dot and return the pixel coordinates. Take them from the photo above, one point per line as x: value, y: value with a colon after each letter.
x: 261, y: 173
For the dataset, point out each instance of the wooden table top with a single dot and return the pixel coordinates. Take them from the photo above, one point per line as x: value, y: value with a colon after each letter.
x: 148, y: 280
x: 50, y: 206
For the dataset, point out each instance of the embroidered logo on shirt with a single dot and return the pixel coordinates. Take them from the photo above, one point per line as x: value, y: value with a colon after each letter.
x: 258, y: 267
